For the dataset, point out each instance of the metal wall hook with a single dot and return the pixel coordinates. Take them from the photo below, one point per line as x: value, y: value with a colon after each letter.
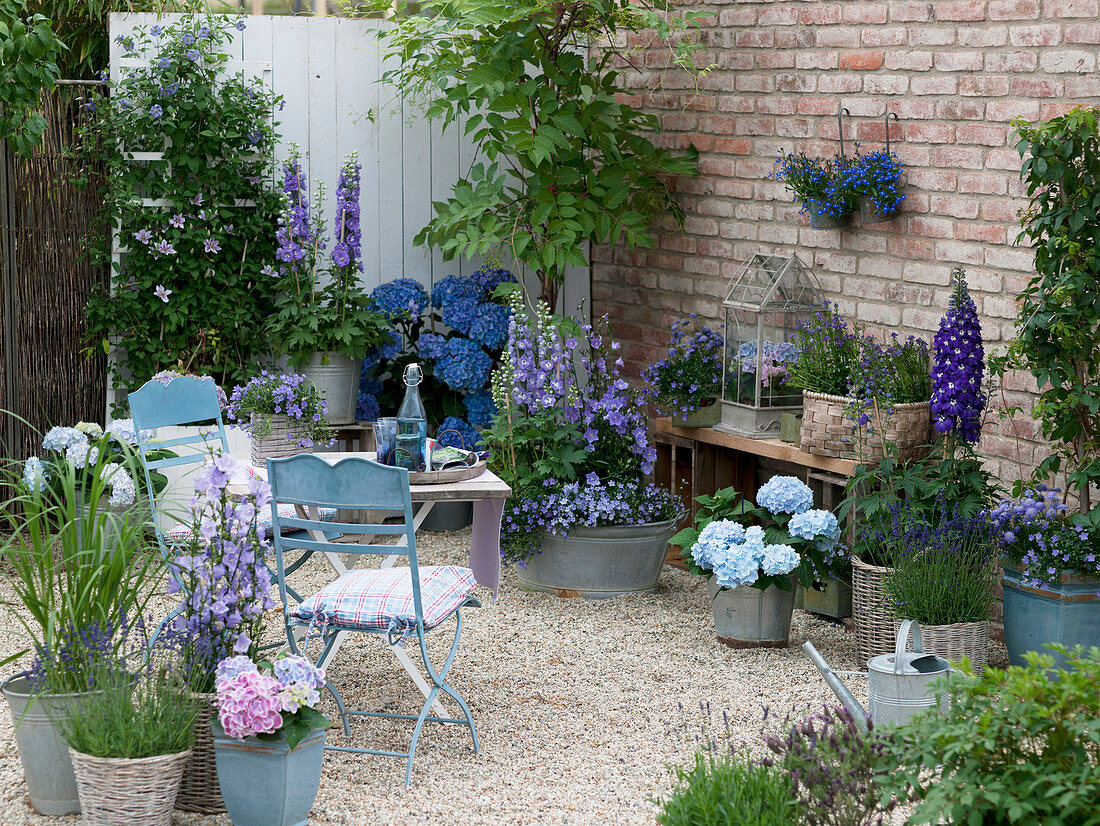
x: 840, y: 128
x: 889, y: 115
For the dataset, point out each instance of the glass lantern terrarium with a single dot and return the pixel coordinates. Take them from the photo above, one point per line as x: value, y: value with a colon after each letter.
x: 766, y: 299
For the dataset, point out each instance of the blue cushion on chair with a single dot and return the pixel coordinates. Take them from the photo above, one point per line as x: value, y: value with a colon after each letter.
x: 381, y: 599
x: 181, y: 534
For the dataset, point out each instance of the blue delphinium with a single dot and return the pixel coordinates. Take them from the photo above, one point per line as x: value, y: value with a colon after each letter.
x: 958, y: 367
x: 785, y: 494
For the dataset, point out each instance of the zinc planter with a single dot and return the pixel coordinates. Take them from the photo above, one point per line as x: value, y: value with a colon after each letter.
x: 822, y: 220
x: 869, y: 214
x: 833, y: 600
x: 747, y: 617
x: 51, y: 784
x: 122, y: 792
x: 599, y: 563
x: 707, y: 416
x: 264, y: 783
x: 336, y: 377
x: 1067, y: 613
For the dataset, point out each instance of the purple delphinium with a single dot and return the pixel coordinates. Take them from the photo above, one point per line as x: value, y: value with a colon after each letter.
x: 345, y: 253
x: 958, y: 367
x: 299, y: 235
x: 691, y: 373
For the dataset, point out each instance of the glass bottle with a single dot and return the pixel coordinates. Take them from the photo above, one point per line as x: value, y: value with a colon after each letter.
x: 412, y: 423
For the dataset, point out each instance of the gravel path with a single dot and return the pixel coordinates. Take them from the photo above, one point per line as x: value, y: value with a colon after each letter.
x: 580, y: 705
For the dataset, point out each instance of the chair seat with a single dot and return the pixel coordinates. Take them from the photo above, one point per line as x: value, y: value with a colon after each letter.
x: 181, y: 533
x: 381, y: 599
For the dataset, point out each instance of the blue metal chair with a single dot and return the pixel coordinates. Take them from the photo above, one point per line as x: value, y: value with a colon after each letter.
x: 393, y: 601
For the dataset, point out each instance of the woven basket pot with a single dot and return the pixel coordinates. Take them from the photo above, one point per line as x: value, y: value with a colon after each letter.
x: 826, y: 431
x: 282, y: 440
x: 872, y: 611
x: 958, y: 640
x: 199, y: 791
x: 121, y: 792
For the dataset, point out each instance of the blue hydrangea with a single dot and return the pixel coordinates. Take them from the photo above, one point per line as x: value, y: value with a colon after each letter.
x: 779, y: 559
x: 734, y: 554
x: 34, y: 474
x: 453, y: 288
x: 489, y: 278
x: 817, y: 525
x: 460, y: 315
x: 480, y: 408
x: 456, y: 432
x: 401, y: 298
x: 62, y: 438
x: 785, y: 494
x: 431, y: 346
x: 463, y: 365
x: 490, y: 326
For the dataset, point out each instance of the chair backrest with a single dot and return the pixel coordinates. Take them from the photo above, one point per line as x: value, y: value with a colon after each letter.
x: 183, y: 401
x: 352, y: 484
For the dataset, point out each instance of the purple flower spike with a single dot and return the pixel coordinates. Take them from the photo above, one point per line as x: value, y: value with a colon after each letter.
x: 958, y: 367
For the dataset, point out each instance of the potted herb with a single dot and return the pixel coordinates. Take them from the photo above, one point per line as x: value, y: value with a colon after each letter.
x: 129, y: 743
x: 858, y: 392
x: 325, y: 328
x: 822, y: 186
x: 688, y: 380
x: 223, y: 585
x: 570, y: 437
x: 269, y: 739
x: 755, y: 555
x: 79, y: 572
x: 876, y: 179
x: 1051, y: 574
x: 943, y: 576
x: 284, y: 414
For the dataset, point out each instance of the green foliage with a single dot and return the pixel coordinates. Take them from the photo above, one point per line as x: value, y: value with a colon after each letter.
x: 210, y: 243
x: 122, y: 719
x: 566, y: 161
x: 1058, y: 318
x: 729, y: 790
x: 1015, y: 746
x: 75, y: 564
x: 29, y: 54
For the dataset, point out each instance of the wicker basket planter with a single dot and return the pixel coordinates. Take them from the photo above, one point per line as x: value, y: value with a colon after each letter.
x: 199, y: 791
x: 121, y: 792
x: 825, y: 428
x: 282, y: 440
x: 953, y: 642
x: 872, y: 610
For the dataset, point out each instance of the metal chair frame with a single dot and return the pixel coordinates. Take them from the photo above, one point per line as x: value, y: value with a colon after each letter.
x: 362, y: 485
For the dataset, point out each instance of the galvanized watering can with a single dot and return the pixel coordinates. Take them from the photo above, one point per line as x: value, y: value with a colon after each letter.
x: 898, y: 685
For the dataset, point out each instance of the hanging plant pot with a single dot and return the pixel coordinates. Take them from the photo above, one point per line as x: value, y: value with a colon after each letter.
x: 869, y: 214
x: 823, y: 220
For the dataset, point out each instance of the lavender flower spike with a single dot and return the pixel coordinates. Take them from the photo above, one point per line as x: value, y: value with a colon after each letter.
x: 958, y: 367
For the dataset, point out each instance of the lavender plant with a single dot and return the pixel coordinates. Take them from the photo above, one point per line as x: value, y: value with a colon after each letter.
x: 1041, y: 538
x: 290, y: 395
x: 321, y: 308
x: 689, y: 377
x: 221, y: 578
x: 834, y: 769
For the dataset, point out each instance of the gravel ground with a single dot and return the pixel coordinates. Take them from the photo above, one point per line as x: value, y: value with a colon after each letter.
x: 580, y: 705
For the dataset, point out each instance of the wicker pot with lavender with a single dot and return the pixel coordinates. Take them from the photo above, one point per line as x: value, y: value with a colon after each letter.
x: 859, y: 393
x: 688, y: 380
x: 284, y: 414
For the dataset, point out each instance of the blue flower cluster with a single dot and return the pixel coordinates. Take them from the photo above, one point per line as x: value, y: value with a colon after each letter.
x: 819, y: 526
x: 785, y: 494
x: 736, y: 555
x: 821, y: 184
x: 480, y: 408
x: 401, y: 298
x: 959, y: 367
x: 466, y: 306
x: 876, y: 176
x: 456, y: 432
x: 690, y: 374
x: 460, y: 363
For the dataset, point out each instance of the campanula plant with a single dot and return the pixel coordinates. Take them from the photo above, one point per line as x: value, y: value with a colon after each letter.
x: 252, y: 405
x: 821, y: 185
x: 739, y: 543
x: 689, y: 377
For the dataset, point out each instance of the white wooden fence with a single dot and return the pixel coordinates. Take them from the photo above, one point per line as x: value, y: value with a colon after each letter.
x: 327, y: 71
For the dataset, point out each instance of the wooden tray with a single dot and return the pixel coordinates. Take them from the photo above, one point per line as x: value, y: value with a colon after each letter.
x: 442, y: 477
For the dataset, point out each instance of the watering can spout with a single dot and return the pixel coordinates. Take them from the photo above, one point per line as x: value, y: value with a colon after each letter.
x: 859, y: 716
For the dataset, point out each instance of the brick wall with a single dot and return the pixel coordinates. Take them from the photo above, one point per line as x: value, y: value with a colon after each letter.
x: 956, y: 73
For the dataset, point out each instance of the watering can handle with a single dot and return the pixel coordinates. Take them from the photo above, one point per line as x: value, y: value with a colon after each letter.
x: 902, y: 641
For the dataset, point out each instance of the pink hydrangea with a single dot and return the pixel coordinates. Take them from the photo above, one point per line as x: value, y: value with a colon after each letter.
x: 249, y: 704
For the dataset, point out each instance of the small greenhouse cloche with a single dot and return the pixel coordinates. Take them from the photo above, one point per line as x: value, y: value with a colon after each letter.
x: 765, y: 300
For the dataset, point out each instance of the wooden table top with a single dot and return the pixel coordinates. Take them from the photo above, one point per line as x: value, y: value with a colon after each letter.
x: 772, y: 448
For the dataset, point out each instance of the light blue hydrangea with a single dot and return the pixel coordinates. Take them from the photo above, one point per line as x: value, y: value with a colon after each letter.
x: 780, y: 559
x: 817, y: 525
x: 80, y: 454
x: 123, y: 489
x: 730, y: 551
x: 61, y: 439
x: 122, y: 430
x: 292, y: 669
x: 785, y: 494
x: 34, y: 475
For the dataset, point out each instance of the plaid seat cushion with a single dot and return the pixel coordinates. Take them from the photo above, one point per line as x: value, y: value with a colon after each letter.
x: 180, y: 533
x: 381, y: 599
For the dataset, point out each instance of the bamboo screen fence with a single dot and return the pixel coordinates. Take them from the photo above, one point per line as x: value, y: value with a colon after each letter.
x: 46, y: 276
